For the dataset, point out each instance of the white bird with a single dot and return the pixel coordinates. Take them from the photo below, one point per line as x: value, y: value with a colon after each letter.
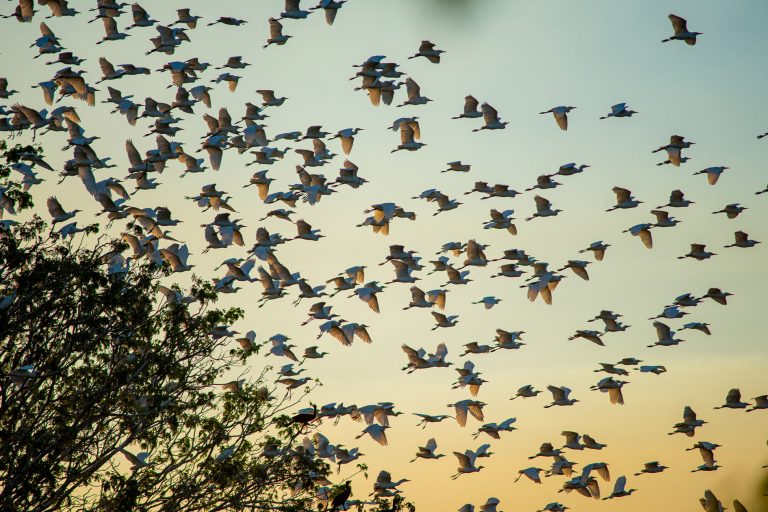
x: 414, y: 94
x: 680, y: 25
x: 689, y: 424
x: 177, y: 256
x: 761, y: 402
x: 665, y: 335
x: 491, y: 119
x: 377, y: 433
x: 710, y: 503
x: 493, y: 429
x: 560, y: 396
x: 488, y: 301
x: 619, y: 110
x: 57, y: 212
x: 466, y: 463
x: 598, y: 249
x: 408, y: 132
x: 713, y: 173
x: 698, y: 252
x: 470, y: 109
x: 543, y: 208
x: 428, y: 451
x: 619, y: 489
x: 642, y: 231
x: 444, y: 321
x: 652, y: 467
x: 732, y: 210
x: 427, y: 49
x: 526, y: 391
x: 465, y: 407
x: 560, y: 114
x: 138, y: 460
x: 429, y: 418
x: 457, y: 166
x: 624, y: 199
x: 742, y: 240
x: 531, y: 473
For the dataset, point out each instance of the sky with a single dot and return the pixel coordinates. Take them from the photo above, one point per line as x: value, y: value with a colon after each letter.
x: 523, y: 58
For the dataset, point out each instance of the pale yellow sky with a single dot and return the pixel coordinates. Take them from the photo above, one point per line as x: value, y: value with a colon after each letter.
x: 522, y: 58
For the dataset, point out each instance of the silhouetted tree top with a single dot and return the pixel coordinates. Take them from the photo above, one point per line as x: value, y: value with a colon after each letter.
x: 113, y: 396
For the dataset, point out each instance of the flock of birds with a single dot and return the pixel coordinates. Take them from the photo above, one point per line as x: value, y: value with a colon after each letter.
x: 148, y: 229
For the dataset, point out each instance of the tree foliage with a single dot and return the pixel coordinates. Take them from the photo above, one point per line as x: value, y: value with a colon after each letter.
x: 96, y: 366
x: 13, y: 194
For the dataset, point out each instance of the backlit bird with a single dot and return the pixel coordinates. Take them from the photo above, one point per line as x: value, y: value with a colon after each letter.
x: 427, y: 49
x: 560, y: 114
x: 560, y: 396
x: 713, y: 173
x: 733, y: 400
x: 742, y: 240
x: 642, y: 231
x: 619, y: 110
x: 470, y: 109
x: 680, y: 25
x: 466, y: 463
x: 428, y: 451
x: 619, y: 489
x: 491, y: 119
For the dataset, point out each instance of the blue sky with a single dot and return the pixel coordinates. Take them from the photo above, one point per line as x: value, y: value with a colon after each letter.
x: 523, y: 58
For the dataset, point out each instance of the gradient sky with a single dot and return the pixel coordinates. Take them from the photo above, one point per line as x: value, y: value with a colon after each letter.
x: 523, y: 58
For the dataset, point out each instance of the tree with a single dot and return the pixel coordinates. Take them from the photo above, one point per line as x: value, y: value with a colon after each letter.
x: 14, y: 194
x: 97, y: 367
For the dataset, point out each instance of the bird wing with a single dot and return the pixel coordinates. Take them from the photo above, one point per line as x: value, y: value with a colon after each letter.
x: 412, y: 88
x: 470, y: 104
x: 464, y: 461
x: 570, y: 437
x: 708, y: 456
x: 441, y: 351
x: 406, y: 133
x: 110, y: 26
x: 738, y: 507
x: 618, y: 108
x: 346, y: 143
x: 54, y: 207
x: 678, y: 24
x: 541, y: 203
x: 338, y: 333
x: 413, y: 355
x: 476, y: 410
x: 362, y: 333
x: 439, y: 317
x: 378, y: 434
x: 646, y: 237
x: 622, y: 194
x: 461, y: 414
x: 473, y: 250
x: 557, y: 393
x: 490, y: 114
x: 616, y: 396
x: 384, y: 477
x: 417, y: 294
x: 562, y: 120
x: 662, y: 330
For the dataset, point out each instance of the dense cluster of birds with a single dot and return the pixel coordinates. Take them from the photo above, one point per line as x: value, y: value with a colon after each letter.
x: 148, y: 229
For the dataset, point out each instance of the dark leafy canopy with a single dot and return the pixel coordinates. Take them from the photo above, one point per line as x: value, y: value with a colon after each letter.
x: 13, y: 195
x: 95, y: 369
